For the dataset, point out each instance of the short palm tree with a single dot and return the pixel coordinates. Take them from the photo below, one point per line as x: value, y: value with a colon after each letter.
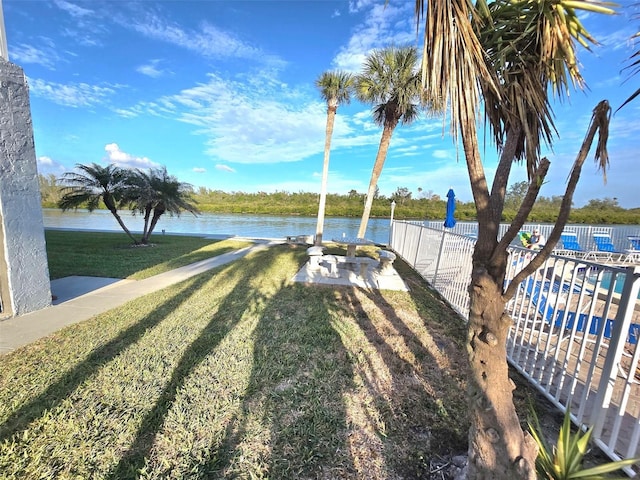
x: 335, y: 88
x: 139, y: 195
x: 154, y: 193
x: 390, y: 81
x: 92, y: 184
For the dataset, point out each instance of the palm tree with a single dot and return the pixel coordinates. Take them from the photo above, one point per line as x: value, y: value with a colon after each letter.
x: 139, y: 195
x: 510, y: 54
x: 390, y: 81
x: 92, y: 184
x: 335, y: 89
x: 154, y: 193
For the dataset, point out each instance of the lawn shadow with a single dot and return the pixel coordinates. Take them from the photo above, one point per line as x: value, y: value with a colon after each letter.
x: 293, y: 422
x: 415, y: 376
x: 57, y: 392
x: 220, y: 324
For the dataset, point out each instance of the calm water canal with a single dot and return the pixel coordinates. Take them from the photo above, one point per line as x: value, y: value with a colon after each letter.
x: 255, y: 226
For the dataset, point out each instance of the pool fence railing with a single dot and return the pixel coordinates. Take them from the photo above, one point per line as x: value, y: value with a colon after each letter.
x: 576, y: 323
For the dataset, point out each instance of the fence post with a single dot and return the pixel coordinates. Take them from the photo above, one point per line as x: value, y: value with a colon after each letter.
x: 621, y: 326
x: 415, y: 257
x: 435, y: 274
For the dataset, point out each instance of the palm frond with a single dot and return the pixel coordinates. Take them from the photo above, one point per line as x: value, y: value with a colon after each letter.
x: 531, y: 44
x: 335, y: 87
x: 453, y: 60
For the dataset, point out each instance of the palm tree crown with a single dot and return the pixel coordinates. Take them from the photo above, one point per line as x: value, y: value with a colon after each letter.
x: 390, y: 82
x: 93, y: 183
x: 335, y: 88
x: 157, y: 192
x: 531, y: 45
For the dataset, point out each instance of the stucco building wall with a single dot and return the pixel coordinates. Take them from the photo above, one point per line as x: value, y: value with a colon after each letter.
x: 24, y: 272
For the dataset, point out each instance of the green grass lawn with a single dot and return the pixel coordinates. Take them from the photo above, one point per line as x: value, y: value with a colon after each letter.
x: 97, y: 254
x: 240, y: 373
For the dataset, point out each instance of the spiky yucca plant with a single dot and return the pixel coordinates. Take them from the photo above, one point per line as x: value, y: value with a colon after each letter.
x: 564, y: 460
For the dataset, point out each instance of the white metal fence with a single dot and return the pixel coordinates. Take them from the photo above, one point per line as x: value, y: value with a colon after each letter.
x: 619, y: 234
x: 575, y: 332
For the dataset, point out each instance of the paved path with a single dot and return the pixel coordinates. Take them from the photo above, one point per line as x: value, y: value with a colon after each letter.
x: 80, y: 298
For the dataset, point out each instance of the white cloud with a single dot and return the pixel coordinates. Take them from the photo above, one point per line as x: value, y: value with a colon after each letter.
x: 73, y: 94
x: 46, y: 166
x: 359, y: 5
x: 45, y: 56
x: 123, y: 159
x: 225, y: 168
x: 208, y: 41
x: 256, y: 120
x: 199, y: 170
x: 151, y: 69
x: 73, y: 9
x: 443, y: 154
x: 385, y: 24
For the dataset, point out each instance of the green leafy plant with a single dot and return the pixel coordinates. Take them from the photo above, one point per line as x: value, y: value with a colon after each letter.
x: 564, y: 461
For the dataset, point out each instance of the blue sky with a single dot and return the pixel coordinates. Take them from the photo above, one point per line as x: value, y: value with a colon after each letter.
x: 222, y: 93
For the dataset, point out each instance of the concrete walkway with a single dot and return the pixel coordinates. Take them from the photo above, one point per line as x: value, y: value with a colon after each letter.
x: 80, y: 298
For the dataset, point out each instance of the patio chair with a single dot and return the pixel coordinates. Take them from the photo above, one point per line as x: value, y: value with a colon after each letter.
x: 570, y: 245
x: 543, y: 299
x: 632, y: 255
x: 605, y: 249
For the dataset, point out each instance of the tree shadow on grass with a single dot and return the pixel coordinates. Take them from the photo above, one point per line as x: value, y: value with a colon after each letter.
x: 221, y: 323
x: 292, y: 423
x: 414, y: 377
x: 57, y: 392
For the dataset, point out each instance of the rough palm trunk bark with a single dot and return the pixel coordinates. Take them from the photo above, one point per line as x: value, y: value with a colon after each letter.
x: 157, y: 213
x: 110, y: 204
x: 498, y: 447
x: 147, y: 214
x: 385, y: 140
x: 331, y: 114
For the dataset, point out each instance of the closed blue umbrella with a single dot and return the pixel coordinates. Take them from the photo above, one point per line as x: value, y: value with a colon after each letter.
x: 450, y: 221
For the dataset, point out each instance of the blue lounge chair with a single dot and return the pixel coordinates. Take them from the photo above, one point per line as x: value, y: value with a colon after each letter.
x: 632, y: 255
x: 570, y: 245
x: 538, y: 291
x: 605, y: 249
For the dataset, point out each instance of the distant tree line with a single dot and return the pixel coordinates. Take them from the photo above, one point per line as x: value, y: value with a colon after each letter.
x: 423, y: 205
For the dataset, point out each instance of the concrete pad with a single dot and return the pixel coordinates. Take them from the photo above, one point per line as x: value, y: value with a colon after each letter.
x: 65, y: 289
x: 348, y: 274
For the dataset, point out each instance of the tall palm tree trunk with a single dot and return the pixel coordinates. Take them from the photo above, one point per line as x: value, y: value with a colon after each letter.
x: 385, y: 140
x: 498, y: 447
x: 331, y: 114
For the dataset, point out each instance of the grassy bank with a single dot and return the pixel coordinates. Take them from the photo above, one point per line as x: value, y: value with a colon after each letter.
x: 239, y: 373
x: 97, y: 254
